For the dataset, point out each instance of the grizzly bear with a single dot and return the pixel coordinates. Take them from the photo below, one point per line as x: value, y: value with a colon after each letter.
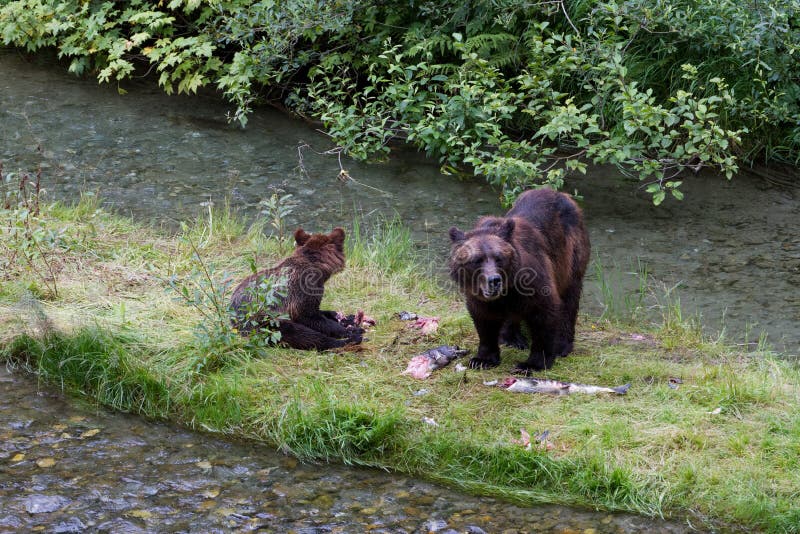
x: 315, y: 259
x: 525, y: 267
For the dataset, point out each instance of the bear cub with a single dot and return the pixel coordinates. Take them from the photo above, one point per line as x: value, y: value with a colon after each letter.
x: 525, y: 267
x: 315, y: 259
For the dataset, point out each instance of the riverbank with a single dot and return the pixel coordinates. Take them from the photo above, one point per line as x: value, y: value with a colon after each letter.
x: 90, y: 311
x: 159, y: 477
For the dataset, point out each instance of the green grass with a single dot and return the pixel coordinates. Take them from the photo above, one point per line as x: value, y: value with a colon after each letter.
x: 96, y: 364
x: 723, y: 449
x: 623, y: 295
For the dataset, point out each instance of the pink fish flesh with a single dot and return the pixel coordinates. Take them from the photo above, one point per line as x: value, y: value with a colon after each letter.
x: 422, y: 365
x: 426, y: 325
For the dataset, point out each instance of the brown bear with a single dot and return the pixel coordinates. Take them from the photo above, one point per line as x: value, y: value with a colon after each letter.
x: 525, y: 267
x: 315, y: 259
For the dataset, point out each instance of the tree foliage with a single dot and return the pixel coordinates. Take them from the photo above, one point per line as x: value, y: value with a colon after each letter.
x: 516, y: 91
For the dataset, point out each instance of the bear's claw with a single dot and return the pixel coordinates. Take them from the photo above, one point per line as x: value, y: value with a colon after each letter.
x: 522, y: 370
x: 525, y: 368
x: 518, y: 343
x: 480, y: 363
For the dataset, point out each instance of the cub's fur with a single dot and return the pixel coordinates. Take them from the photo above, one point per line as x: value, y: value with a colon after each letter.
x: 315, y: 259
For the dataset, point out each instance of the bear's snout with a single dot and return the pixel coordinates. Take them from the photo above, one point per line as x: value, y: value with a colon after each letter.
x: 494, y: 283
x: 491, y: 285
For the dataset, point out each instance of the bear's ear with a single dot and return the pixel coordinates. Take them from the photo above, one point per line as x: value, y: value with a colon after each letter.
x: 337, y: 237
x: 506, y: 229
x: 456, y: 235
x: 301, y: 237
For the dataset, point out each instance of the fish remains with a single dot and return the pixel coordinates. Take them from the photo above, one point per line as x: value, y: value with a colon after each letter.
x: 422, y: 365
x: 554, y: 387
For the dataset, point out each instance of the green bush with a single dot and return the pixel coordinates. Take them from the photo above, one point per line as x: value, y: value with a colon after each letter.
x: 218, y: 335
x: 515, y: 91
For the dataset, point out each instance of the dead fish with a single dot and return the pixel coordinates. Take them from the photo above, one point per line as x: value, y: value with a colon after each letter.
x: 526, y: 441
x: 356, y: 320
x: 423, y: 364
x: 429, y: 421
x: 673, y: 382
x: 426, y: 325
x: 554, y: 387
x: 407, y: 316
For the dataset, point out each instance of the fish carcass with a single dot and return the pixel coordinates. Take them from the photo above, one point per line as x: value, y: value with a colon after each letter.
x: 422, y: 365
x: 554, y: 387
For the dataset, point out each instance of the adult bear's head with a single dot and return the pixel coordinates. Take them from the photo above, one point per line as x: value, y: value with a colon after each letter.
x: 484, y: 261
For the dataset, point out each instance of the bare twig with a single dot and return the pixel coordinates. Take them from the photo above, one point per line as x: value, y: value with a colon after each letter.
x: 344, y: 174
x: 569, y: 20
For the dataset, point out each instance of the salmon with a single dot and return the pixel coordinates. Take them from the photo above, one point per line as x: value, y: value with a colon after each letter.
x: 423, y: 364
x: 554, y: 387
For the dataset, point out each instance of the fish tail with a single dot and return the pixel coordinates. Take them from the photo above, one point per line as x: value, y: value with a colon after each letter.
x: 621, y: 390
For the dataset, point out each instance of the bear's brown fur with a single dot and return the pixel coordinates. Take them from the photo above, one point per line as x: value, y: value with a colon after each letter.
x: 315, y: 259
x: 525, y: 267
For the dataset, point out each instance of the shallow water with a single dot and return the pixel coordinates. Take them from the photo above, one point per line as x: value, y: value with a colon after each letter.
x: 732, y: 248
x: 68, y: 467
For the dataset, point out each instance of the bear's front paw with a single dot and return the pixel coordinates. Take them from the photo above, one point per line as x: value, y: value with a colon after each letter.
x: 353, y: 331
x: 537, y: 362
x: 515, y: 342
x: 483, y: 363
x: 355, y: 336
x: 563, y: 348
x: 523, y: 369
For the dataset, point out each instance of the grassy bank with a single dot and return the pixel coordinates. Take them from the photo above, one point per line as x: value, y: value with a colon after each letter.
x: 90, y: 311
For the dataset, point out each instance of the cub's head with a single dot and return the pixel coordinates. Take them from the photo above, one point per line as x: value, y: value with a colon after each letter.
x: 321, y: 252
x: 483, y: 261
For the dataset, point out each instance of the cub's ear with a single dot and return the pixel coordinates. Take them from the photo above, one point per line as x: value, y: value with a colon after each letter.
x: 456, y: 235
x: 337, y: 237
x: 506, y: 229
x: 301, y: 237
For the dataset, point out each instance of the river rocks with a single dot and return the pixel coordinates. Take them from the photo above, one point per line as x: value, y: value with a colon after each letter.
x: 435, y: 525
x: 19, y: 424
x: 11, y: 521
x: 111, y: 503
x: 323, y: 502
x: 73, y: 524
x: 40, y: 504
x: 120, y: 525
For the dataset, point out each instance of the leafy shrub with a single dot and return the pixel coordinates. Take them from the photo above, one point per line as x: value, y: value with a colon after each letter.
x: 28, y: 245
x: 518, y: 92
x: 276, y: 209
x: 217, y: 336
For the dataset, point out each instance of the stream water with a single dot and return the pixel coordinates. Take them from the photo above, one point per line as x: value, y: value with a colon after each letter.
x: 68, y: 467
x: 731, y: 247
